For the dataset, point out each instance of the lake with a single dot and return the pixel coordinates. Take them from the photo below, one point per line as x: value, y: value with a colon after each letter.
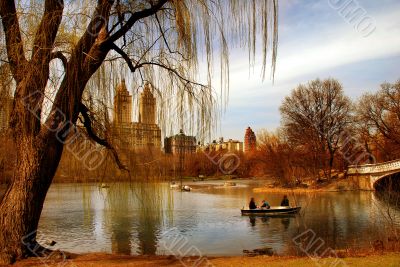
x: 153, y: 219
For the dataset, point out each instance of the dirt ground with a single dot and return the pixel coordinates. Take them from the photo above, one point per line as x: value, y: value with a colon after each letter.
x: 102, y: 259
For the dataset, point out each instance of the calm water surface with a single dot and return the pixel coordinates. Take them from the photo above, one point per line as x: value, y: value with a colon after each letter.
x: 152, y: 219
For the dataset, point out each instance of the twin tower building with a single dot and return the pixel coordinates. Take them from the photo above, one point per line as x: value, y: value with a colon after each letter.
x: 143, y: 134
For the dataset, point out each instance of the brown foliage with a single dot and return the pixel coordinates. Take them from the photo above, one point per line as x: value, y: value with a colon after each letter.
x: 378, y: 116
x: 314, y: 117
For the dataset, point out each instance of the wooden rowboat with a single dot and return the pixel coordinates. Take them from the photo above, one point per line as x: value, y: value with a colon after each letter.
x: 279, y: 210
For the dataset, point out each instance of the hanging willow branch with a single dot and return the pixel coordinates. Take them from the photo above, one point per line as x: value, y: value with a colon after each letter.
x: 157, y: 41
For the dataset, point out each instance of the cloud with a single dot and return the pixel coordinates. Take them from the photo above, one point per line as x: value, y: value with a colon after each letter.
x: 344, y: 47
x: 315, y: 41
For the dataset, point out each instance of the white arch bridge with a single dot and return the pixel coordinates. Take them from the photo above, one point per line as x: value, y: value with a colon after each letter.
x: 366, y: 176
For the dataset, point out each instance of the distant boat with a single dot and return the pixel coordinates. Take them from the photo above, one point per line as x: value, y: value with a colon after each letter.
x: 186, y: 188
x: 279, y: 210
x: 229, y: 184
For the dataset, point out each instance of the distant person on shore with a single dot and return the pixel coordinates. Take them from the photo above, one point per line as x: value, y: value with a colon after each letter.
x: 265, y: 205
x: 285, y: 201
x: 252, y: 204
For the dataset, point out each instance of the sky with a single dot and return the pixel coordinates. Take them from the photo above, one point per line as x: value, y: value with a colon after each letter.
x: 316, y: 40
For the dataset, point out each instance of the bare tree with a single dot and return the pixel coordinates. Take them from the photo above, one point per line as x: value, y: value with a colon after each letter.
x: 380, y: 113
x: 314, y: 116
x: 159, y: 40
x: 277, y: 156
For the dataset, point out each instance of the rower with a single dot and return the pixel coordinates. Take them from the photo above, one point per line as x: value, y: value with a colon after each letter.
x: 265, y: 205
x: 285, y: 201
x: 252, y: 204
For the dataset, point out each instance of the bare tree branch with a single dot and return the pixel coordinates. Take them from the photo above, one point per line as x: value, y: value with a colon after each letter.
x: 87, y: 123
x: 171, y: 70
x: 165, y: 39
x: 134, y: 18
x: 124, y: 56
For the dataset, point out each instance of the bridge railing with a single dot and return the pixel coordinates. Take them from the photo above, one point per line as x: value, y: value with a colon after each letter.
x: 375, y: 168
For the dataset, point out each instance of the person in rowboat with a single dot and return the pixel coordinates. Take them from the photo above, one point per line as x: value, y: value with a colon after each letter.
x: 252, y: 204
x: 285, y: 201
x: 265, y: 205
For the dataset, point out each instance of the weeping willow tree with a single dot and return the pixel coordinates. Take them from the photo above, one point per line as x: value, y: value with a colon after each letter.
x: 55, y: 50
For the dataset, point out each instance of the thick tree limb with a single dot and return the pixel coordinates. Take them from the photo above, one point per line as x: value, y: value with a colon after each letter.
x: 88, y: 39
x: 47, y: 31
x: 87, y: 123
x: 14, y: 45
x: 80, y: 66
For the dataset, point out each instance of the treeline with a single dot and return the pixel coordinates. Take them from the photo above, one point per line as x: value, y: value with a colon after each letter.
x: 322, y: 131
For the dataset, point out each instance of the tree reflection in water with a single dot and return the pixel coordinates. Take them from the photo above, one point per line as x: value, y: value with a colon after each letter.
x: 135, y: 216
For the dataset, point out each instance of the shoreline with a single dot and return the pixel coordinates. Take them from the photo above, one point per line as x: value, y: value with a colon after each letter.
x: 105, y: 259
x: 304, y: 190
x: 335, y: 185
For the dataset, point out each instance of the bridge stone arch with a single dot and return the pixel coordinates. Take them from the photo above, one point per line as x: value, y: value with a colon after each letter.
x: 367, y: 176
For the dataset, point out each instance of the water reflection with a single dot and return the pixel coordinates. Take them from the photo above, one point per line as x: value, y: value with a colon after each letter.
x: 118, y: 221
x: 285, y: 222
x: 252, y: 221
x: 265, y: 219
x: 133, y: 219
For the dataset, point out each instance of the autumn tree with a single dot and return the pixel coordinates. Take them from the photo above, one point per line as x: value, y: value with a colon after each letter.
x: 160, y: 41
x: 380, y: 114
x: 314, y: 117
x: 277, y: 156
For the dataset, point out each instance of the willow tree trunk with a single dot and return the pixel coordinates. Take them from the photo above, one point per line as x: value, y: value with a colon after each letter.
x: 20, y: 209
x: 39, y: 145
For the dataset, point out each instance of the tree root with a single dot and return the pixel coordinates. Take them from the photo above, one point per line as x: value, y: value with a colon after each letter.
x: 34, y: 250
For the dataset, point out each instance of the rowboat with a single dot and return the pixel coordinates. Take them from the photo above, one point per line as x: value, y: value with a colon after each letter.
x: 278, y: 210
x: 186, y: 188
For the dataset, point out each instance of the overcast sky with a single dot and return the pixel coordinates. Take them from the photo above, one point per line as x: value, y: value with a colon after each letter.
x: 315, y: 41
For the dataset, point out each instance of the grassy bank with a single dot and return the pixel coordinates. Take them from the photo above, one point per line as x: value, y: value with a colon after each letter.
x: 100, y: 260
x: 333, y: 185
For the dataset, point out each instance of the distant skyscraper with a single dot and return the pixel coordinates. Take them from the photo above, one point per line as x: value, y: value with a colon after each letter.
x: 135, y: 135
x: 250, y: 141
x: 122, y: 105
x: 147, y: 107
